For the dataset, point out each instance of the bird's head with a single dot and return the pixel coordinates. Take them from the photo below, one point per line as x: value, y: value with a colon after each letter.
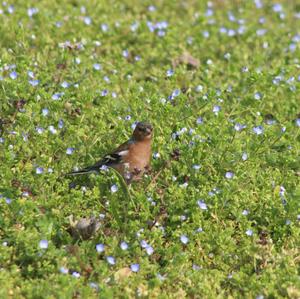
x: 142, y: 131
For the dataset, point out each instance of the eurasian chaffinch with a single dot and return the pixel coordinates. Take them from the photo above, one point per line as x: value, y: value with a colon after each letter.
x: 131, y: 158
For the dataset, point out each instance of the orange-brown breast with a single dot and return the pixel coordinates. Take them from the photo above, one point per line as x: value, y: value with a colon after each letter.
x: 139, y: 155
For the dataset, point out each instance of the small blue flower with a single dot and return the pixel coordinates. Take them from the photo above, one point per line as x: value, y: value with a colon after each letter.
x: 70, y: 150
x: 200, y: 120
x: 135, y: 267
x: 33, y: 82
x: 45, y: 111
x: 52, y: 129
x: 104, y: 92
x: 57, y: 96
x: 144, y: 244
x: 277, y: 7
x: 124, y: 245
x: 94, y: 285
x: 149, y: 250
x: 13, y: 75
x: 65, y: 84
x: 39, y: 170
x: 87, y: 20
x: 239, y: 127
x: 104, y: 27
x: 111, y: 260
x: 76, y: 274
x: 184, y: 239
x: 249, y: 232
x: 258, y: 96
x: 32, y: 11
x: 114, y: 188
x: 244, y: 156
x: 43, y: 244
x: 229, y: 175
x: 245, y: 212
x: 202, y: 205
x: 40, y: 130
x: 170, y: 73
x: 97, y: 66
x: 216, y: 109
x: 60, y: 123
x: 196, y: 167
x: 196, y: 267
x: 100, y: 248
x: 64, y: 270
x: 258, y: 130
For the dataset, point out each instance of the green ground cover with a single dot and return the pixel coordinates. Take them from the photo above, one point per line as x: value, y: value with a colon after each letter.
x: 218, y: 215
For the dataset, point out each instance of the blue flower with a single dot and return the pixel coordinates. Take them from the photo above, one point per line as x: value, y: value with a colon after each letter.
x: 76, y: 274
x: 244, y: 156
x: 57, y: 96
x: 97, y: 66
x: 258, y: 130
x: 70, y: 150
x: 135, y: 267
x: 111, y: 260
x: 149, y: 250
x: 229, y: 175
x: 33, y: 82
x: 100, y: 248
x: 249, y: 232
x: 32, y: 11
x: 202, y: 205
x: 184, y: 239
x: 13, y: 75
x: 124, y: 245
x: 39, y: 170
x: 43, y: 244
x: 170, y: 73
x: 87, y: 20
x: 64, y: 270
x: 114, y: 188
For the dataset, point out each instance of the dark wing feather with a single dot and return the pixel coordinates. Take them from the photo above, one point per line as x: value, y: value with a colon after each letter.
x: 109, y: 160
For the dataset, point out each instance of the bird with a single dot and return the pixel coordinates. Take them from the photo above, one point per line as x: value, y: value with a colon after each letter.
x: 131, y: 159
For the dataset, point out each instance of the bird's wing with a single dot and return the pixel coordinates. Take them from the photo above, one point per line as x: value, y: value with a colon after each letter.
x: 116, y: 157
x: 110, y: 160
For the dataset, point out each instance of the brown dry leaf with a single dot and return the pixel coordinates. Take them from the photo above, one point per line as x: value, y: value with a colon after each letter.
x: 123, y: 273
x: 187, y: 59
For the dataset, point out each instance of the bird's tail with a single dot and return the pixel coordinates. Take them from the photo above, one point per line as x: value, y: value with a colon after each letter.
x: 82, y: 171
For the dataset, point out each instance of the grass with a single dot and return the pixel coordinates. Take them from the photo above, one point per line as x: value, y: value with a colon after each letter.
x: 221, y: 217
